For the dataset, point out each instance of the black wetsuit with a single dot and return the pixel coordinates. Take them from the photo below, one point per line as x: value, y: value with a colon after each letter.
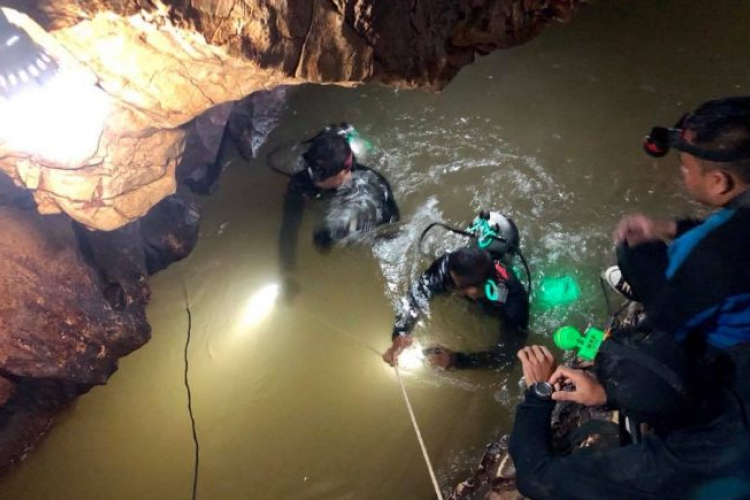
x: 362, y: 203
x: 514, y: 310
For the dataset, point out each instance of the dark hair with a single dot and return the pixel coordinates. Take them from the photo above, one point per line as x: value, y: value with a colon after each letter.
x: 328, y: 154
x: 723, y: 125
x: 472, y: 264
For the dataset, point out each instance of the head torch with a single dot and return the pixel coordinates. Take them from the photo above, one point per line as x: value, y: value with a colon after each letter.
x: 661, y: 139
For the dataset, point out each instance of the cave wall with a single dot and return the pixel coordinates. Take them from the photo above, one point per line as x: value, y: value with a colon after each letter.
x: 83, y: 229
x: 163, y: 63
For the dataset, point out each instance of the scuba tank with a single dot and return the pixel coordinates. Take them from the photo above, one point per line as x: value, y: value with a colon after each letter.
x: 491, y: 231
x: 495, y: 232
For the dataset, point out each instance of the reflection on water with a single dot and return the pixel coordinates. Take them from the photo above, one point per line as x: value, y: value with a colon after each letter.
x: 290, y: 395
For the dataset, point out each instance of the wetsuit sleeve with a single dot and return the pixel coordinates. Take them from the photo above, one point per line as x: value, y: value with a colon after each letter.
x: 646, y: 471
x: 432, y: 282
x: 294, y: 205
x: 501, y: 355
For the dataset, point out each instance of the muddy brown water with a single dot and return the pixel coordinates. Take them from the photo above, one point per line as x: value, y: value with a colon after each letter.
x: 296, y: 404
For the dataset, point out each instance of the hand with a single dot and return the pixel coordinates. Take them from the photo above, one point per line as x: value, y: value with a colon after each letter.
x: 399, y: 344
x: 439, y: 357
x: 635, y: 229
x: 587, y: 390
x: 537, y: 363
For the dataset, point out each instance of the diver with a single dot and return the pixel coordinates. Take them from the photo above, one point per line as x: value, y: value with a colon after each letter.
x: 358, y: 198
x: 479, y: 272
x: 693, y: 275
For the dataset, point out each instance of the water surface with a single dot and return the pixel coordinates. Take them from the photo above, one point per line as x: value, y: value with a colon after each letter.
x: 297, y: 404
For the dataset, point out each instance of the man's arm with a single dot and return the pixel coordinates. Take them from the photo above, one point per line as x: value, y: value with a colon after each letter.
x: 501, y: 355
x: 638, y: 472
x: 432, y: 282
x: 635, y: 472
x: 294, y: 204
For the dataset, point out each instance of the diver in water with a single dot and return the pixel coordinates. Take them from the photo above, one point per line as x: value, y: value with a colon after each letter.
x: 359, y: 199
x: 482, y: 277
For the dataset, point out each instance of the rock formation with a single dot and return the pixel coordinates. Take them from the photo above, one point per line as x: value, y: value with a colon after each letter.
x: 159, y: 65
x: 87, y: 198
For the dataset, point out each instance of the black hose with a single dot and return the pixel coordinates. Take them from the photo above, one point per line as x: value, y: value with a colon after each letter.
x: 528, y: 271
x: 444, y: 226
x: 190, y: 400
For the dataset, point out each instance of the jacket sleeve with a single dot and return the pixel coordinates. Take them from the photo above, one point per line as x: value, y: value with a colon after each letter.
x: 432, y: 282
x: 645, y: 471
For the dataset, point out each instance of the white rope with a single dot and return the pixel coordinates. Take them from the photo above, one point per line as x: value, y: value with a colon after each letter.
x: 419, y: 436
x: 403, y: 392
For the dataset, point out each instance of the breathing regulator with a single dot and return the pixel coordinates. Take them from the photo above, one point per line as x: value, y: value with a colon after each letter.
x: 496, y: 233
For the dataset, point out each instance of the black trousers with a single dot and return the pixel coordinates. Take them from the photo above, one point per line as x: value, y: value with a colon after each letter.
x: 644, y: 267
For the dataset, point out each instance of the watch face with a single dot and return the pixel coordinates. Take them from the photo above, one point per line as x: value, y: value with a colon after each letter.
x: 543, y: 389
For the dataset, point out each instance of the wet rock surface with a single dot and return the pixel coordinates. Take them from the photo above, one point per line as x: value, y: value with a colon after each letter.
x: 72, y: 302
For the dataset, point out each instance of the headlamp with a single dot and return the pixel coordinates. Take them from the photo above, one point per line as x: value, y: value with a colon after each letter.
x: 661, y: 139
x: 23, y: 63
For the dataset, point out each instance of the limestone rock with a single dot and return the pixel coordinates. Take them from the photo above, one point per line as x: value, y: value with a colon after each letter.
x: 160, y: 64
x: 72, y: 302
x: 54, y: 320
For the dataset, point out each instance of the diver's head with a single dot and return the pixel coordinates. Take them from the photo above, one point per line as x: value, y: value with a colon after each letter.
x: 714, y: 146
x: 329, y: 160
x: 469, y: 269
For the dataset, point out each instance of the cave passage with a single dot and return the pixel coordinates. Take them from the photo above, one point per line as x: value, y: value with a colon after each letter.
x: 290, y: 400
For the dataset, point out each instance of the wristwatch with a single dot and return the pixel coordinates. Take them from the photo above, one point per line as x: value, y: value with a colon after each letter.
x: 542, y: 390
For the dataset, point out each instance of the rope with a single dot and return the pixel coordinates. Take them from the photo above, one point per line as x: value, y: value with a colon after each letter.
x: 403, y: 392
x: 419, y: 435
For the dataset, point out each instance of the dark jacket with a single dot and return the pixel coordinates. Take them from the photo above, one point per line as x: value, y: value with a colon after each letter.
x: 362, y: 204
x: 705, y: 287
x: 514, y: 311
x: 701, y: 462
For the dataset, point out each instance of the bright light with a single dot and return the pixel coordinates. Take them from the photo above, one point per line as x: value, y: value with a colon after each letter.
x: 412, y: 357
x: 60, y: 120
x: 260, y: 305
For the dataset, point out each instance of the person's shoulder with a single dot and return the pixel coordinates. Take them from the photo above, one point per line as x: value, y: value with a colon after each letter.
x: 358, y: 167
